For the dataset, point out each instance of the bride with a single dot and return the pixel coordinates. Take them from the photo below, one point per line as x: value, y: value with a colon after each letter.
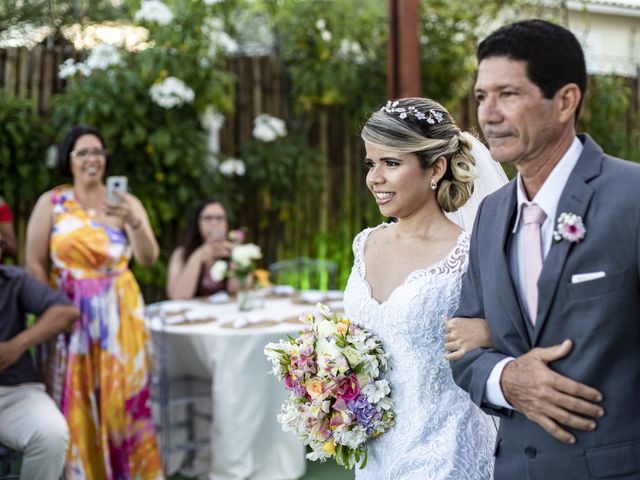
x: 406, y: 279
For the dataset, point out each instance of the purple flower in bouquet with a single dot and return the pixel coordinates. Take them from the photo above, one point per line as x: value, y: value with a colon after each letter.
x: 292, y: 384
x: 348, y: 388
x: 365, y: 412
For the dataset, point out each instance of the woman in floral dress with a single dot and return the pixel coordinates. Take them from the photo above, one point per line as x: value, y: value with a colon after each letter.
x: 99, y: 373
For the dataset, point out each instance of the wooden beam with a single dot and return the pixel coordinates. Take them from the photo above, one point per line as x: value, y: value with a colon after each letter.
x: 403, y: 70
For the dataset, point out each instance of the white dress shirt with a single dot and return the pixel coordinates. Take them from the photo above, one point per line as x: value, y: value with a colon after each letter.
x: 547, y: 198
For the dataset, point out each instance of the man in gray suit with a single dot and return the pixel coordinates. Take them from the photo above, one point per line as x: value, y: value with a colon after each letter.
x: 554, y: 269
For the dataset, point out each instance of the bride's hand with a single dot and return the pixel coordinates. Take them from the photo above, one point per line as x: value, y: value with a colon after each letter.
x: 463, y: 335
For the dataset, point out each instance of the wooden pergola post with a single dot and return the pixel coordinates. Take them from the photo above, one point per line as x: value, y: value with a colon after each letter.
x: 403, y: 70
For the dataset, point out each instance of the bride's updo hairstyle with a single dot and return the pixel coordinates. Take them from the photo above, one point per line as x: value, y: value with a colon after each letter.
x: 425, y: 128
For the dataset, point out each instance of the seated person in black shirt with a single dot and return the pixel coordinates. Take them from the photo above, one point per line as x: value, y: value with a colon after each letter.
x: 30, y: 421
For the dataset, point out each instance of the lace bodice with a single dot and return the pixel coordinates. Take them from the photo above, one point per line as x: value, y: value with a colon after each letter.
x: 439, y: 432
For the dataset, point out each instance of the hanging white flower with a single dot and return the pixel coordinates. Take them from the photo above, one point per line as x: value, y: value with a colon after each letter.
x: 321, y: 24
x: 212, y: 119
x: 267, y: 128
x: 213, y: 24
x: 218, y: 38
x: 212, y: 2
x: 103, y: 56
x: 326, y: 35
x: 254, y: 35
x: 52, y: 157
x: 351, y: 51
x: 171, y: 92
x: 232, y: 166
x: 154, y: 11
x: 70, y: 68
x: 67, y: 69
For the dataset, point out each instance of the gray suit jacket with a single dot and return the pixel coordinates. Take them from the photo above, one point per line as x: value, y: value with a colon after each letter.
x: 601, y: 316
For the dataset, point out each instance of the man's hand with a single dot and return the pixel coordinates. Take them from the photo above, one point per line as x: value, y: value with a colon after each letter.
x: 548, y: 398
x: 9, y: 354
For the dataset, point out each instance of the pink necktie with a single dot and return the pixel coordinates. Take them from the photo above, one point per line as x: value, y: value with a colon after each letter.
x: 533, y: 216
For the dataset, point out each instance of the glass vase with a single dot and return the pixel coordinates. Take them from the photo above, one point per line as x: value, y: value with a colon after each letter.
x: 244, y: 298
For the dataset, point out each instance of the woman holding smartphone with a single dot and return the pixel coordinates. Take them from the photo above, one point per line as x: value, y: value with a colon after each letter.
x: 99, y: 374
x: 204, y: 242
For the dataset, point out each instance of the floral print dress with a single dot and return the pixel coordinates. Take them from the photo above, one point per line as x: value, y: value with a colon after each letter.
x: 104, y: 389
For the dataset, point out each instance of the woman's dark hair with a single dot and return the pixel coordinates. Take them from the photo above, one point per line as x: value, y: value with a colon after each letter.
x: 192, y: 238
x: 68, y: 142
x: 552, y: 53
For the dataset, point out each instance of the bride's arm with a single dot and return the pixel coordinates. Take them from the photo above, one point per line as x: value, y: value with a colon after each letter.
x: 463, y: 335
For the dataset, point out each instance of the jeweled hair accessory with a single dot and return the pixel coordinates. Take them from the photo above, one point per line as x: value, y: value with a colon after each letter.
x: 432, y: 118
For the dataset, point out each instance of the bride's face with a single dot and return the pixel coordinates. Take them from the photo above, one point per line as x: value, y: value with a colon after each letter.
x: 399, y: 186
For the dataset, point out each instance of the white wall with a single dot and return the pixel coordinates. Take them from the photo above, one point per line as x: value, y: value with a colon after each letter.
x: 610, y: 37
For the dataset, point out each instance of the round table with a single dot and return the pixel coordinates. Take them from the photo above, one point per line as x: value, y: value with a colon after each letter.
x: 217, y: 342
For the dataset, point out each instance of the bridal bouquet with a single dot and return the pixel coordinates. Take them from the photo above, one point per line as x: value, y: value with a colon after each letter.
x: 338, y: 399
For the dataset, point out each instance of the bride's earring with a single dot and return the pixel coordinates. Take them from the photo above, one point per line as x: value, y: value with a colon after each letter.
x: 433, y: 185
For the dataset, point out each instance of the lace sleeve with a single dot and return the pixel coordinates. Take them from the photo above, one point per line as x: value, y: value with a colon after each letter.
x: 358, y: 248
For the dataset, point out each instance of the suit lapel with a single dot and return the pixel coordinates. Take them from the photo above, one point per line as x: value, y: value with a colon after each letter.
x: 575, y: 198
x: 508, y: 296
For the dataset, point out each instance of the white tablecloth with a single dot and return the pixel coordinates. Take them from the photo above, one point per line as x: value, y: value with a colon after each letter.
x: 247, y: 442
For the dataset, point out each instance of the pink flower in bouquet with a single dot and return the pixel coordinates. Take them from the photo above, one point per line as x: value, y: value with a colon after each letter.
x: 305, y: 360
x: 236, y: 236
x: 348, y: 388
x: 292, y: 384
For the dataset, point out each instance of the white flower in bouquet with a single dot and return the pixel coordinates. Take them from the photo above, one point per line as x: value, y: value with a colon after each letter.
x: 103, y: 56
x: 244, y: 255
x: 232, y: 166
x: 171, y: 92
x: 154, y: 11
x: 350, y: 438
x: 326, y: 328
x: 218, y: 270
x: 267, y: 128
x: 376, y: 391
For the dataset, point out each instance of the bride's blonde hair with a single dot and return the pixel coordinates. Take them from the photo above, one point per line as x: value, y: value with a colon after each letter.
x: 425, y: 128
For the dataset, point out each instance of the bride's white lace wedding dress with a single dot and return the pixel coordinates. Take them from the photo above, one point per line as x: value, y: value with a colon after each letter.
x: 439, y: 433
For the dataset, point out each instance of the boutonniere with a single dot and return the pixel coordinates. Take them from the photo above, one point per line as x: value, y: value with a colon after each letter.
x: 570, y: 228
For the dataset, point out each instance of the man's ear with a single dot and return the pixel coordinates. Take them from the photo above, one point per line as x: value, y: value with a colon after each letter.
x: 567, y: 99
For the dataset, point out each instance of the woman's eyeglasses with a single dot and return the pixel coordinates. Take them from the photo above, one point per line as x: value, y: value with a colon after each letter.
x: 85, y: 153
x: 213, y: 218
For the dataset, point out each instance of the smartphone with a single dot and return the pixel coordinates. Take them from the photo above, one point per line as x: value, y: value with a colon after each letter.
x: 118, y: 183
